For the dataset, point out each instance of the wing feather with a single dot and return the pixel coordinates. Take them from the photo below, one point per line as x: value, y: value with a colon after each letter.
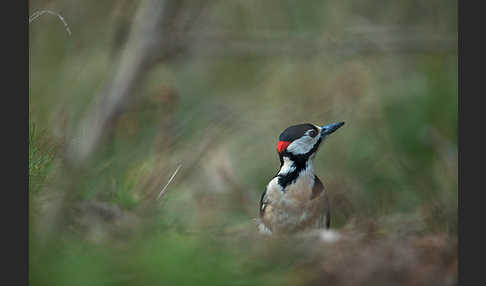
x: 317, y: 189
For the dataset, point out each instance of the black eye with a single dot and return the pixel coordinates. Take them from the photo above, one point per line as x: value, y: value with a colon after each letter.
x: 313, y: 133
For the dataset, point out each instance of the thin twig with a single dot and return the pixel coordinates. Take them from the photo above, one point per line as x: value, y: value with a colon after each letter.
x: 170, y: 180
x: 37, y: 14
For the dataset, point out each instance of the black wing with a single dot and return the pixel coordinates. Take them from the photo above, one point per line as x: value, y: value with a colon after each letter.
x: 317, y: 190
x: 263, y: 203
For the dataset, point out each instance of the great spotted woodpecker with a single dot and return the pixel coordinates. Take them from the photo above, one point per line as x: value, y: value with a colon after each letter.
x: 295, y: 199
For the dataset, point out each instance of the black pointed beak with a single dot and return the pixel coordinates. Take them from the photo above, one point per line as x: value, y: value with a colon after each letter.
x: 328, y: 129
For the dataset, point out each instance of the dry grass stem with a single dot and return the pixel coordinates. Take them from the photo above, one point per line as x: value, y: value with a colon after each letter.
x: 37, y: 14
x: 164, y: 190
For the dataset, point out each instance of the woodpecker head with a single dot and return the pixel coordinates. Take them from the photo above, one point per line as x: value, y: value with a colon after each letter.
x: 300, y: 142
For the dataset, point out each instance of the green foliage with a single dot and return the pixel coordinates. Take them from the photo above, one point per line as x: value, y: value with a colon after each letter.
x: 165, y: 258
x: 394, y: 162
x: 41, y: 157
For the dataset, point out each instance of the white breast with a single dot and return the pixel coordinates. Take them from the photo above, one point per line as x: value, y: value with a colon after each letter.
x: 291, y: 208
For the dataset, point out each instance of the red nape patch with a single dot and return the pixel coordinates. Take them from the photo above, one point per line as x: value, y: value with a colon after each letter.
x: 282, y: 145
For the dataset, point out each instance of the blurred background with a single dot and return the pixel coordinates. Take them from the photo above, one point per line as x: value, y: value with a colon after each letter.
x: 123, y: 94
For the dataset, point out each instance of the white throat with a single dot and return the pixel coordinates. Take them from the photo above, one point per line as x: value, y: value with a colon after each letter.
x: 289, y: 166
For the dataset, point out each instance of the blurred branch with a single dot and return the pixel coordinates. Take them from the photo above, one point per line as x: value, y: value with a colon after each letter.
x: 217, y: 43
x: 156, y: 34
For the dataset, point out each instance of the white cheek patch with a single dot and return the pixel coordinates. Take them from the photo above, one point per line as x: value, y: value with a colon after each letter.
x: 302, y: 145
